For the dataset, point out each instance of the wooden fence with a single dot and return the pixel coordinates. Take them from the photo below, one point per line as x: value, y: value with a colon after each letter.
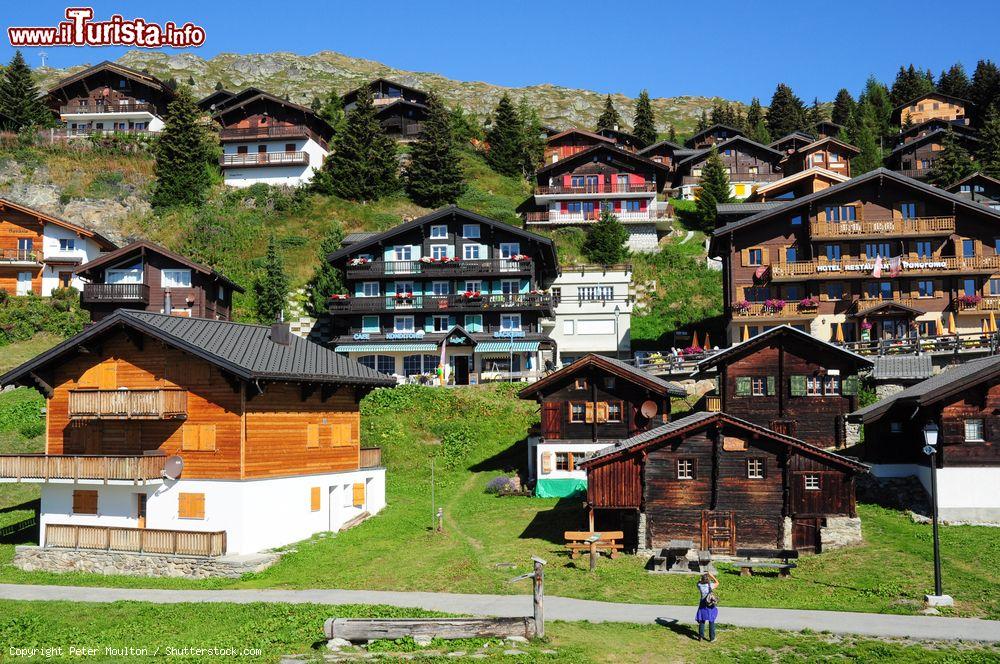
x: 371, y: 457
x: 155, y: 404
x: 46, y: 467
x: 136, y: 540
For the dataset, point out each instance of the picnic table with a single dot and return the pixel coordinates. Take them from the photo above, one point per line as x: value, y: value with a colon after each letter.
x: 582, y: 540
x: 681, y: 556
x: 784, y: 568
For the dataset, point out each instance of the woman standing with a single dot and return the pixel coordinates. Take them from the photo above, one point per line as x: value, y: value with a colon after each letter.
x: 708, y: 609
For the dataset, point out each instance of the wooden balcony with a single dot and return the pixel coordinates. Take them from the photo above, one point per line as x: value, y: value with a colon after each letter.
x: 423, y: 303
x: 136, y: 540
x: 260, y: 159
x: 138, y: 469
x: 983, y: 304
x: 713, y: 403
x: 129, y: 107
x: 762, y: 310
x: 863, y: 304
x: 862, y: 268
x: 371, y: 457
x: 460, y: 268
x: 736, y: 177
x: 602, y: 188
x: 154, y: 404
x: 875, y: 228
x: 20, y: 257
x: 236, y: 134
x: 115, y: 294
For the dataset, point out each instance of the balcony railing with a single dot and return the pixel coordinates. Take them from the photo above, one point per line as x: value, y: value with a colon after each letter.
x: 136, y: 540
x: 264, y: 159
x: 128, y: 107
x: 713, y: 403
x: 451, y: 268
x: 554, y: 218
x: 602, y: 188
x: 920, y: 226
x: 227, y: 135
x: 866, y: 303
x: 23, y: 256
x: 976, y: 304
x: 81, y: 467
x: 763, y: 310
x: 863, y: 268
x: 541, y: 301
x: 113, y: 293
x: 737, y: 177
x: 915, y: 173
x: 155, y: 404
x: 371, y: 457
x: 378, y: 334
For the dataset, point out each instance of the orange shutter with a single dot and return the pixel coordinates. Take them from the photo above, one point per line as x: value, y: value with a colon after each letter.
x: 340, y: 434
x: 745, y: 257
x: 570, y: 464
x: 546, y: 463
x: 602, y: 411
x: 191, y: 438
x: 312, y: 435
x: 191, y: 505
x: 314, y: 499
x: 765, y: 256
x: 206, y: 438
x: 359, y: 494
x: 589, y: 414
x: 109, y: 375
x: 85, y: 502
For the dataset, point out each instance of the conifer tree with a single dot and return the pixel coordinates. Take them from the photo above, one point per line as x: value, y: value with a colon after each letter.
x: 363, y: 164
x: 756, y: 123
x: 326, y: 280
x: 714, y: 190
x: 532, y: 137
x: 988, y: 153
x: 271, y: 287
x: 20, y: 101
x: 506, y: 140
x: 464, y: 126
x: 184, y: 153
x: 331, y: 109
x: 786, y: 113
x: 984, y: 91
x: 816, y: 114
x: 879, y: 111
x: 605, y: 243
x: 755, y: 113
x: 843, y: 106
x: 218, y: 86
x: 672, y: 134
x: 909, y: 85
x: 952, y: 164
x: 862, y: 134
x: 609, y: 118
x: 434, y: 175
x: 954, y: 82
x: 644, y: 122
x: 702, y: 121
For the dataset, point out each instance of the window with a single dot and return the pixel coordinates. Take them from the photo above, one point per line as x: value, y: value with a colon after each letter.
x: 758, y: 386
x: 474, y: 323
x: 439, y: 251
x: 289, y: 147
x: 440, y: 323
x: 67, y: 244
x: 509, y: 249
x: 470, y: 252
x: 439, y: 231
x: 314, y: 499
x: 797, y: 220
x: 632, y: 206
x: 610, y: 382
x: 755, y: 469
x: 412, y: 365
x: 564, y: 461
x: 581, y: 384
x: 755, y: 256
x: 403, y: 252
x: 370, y: 289
x: 23, y: 283
x: 383, y: 363
x: 222, y: 293
x: 923, y: 248
x: 831, y: 386
x: 85, y: 502
x: 569, y: 326
x: 176, y: 278
x: 995, y: 286
x: 969, y: 287
x: 925, y: 288
x: 879, y: 290
x: 757, y: 293
x: 895, y: 427
x: 835, y: 291
x: 370, y: 324
x: 404, y: 288
x: 577, y: 412
x: 685, y: 469
x: 473, y: 286
x: 968, y: 248
x: 908, y: 210
x: 873, y: 249
x: 793, y: 292
x: 595, y: 293
x: 470, y: 231
x: 811, y: 482
x: 402, y: 324
x: 973, y: 430
x: 510, y: 321
x: 841, y: 213
x: 614, y: 411
x: 439, y: 287
x: 791, y: 254
x: 191, y: 506
x: 510, y: 286
x: 833, y: 252
x: 198, y: 438
x: 814, y: 386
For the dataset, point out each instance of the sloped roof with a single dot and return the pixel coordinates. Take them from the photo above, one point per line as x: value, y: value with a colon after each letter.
x: 617, y: 367
x: 726, y: 143
x: 696, y: 421
x: 861, y: 179
x: 829, y: 139
x: 709, y: 130
x: 945, y: 384
x: 114, y: 256
x: 932, y: 93
x: 818, y: 171
x: 102, y: 241
x: 582, y: 132
x: 659, y: 144
x: 968, y: 178
x: 782, y: 330
x: 903, y: 367
x: 746, y: 208
x: 585, y: 155
x: 797, y: 134
x: 917, y: 142
x: 122, y: 70
x: 350, y: 94
x: 235, y: 104
x: 206, y: 102
x: 246, y: 351
x: 352, y: 238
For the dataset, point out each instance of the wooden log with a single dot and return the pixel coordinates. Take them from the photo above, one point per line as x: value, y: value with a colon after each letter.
x: 369, y: 629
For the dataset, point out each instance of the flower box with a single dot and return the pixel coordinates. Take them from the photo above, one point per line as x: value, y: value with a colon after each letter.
x: 969, y: 300
x: 808, y: 303
x: 521, y: 258
x: 472, y: 295
x: 741, y: 307
x: 359, y: 261
x: 774, y: 305
x: 339, y: 296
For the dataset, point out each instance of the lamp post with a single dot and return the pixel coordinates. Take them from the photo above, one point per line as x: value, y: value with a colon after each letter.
x: 618, y: 313
x: 930, y: 449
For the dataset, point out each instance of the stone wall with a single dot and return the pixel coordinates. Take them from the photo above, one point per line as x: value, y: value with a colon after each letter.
x: 52, y: 559
x: 886, y: 390
x: 642, y: 237
x: 852, y: 434
x: 840, y: 531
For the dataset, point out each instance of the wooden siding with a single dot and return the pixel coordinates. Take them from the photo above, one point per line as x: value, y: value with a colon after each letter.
x: 16, y: 226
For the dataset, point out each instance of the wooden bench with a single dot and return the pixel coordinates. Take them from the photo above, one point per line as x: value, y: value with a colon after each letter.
x: 784, y: 569
x: 681, y: 556
x: 580, y: 540
x: 784, y: 555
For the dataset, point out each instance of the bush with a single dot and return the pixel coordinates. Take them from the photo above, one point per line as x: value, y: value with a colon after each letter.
x: 457, y: 444
x: 263, y: 196
x: 504, y: 485
x: 23, y: 317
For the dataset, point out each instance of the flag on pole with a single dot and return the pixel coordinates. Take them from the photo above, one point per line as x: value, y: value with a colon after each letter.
x: 894, y: 266
x: 877, y: 272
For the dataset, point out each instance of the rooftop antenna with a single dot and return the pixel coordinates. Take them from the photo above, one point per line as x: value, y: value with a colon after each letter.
x: 43, y: 55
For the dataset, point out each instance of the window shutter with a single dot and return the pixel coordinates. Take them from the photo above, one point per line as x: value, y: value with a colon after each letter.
x: 851, y: 385
x: 770, y: 386
x: 206, y: 437
x: 190, y: 438
x: 546, y: 463
x: 589, y: 417
x: 602, y: 411
x: 340, y: 434
x: 109, y: 375
x: 312, y: 435
x: 359, y: 494
x: 745, y: 257
x: 569, y: 413
x: 765, y: 256
x: 85, y: 502
x: 571, y: 464
x: 798, y: 386
x: 743, y: 386
x: 314, y: 499
x: 191, y: 505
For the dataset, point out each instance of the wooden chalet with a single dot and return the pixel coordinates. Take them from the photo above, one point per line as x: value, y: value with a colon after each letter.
x: 829, y: 153
x: 623, y: 139
x: 790, y: 382
x: 979, y: 188
x: 568, y: 143
x: 214, y: 102
x: 789, y: 143
x: 109, y: 97
x: 963, y: 402
x: 721, y: 482
x: 797, y: 185
x: 749, y: 163
x: 662, y: 152
x: 401, y: 109
x: 916, y: 157
x: 921, y: 129
x: 828, y: 129
x: 196, y: 436
x: 713, y: 135
x: 587, y: 405
x: 147, y: 277
x: 932, y: 106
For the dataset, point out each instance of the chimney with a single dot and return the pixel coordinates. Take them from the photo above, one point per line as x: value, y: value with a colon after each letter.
x: 167, y: 304
x: 281, y: 334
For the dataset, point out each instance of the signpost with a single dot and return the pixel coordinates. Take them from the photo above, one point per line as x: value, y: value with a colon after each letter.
x: 538, y: 594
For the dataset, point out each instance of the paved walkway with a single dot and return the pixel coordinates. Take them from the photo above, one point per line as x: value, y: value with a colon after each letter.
x: 556, y: 608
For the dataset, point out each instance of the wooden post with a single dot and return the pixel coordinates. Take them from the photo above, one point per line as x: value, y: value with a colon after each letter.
x: 590, y: 519
x: 593, y: 554
x: 440, y: 520
x: 538, y: 599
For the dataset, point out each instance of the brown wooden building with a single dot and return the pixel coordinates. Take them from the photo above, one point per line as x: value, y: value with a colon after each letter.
x: 932, y: 106
x: 148, y: 277
x: 979, y: 188
x: 748, y: 163
x: 791, y: 382
x: 828, y: 153
x: 401, y: 109
x: 916, y: 157
x: 663, y: 152
x: 568, y: 143
x: 712, y: 135
x: 721, y: 482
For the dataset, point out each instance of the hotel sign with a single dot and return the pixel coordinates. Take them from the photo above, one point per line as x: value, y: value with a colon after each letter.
x: 870, y: 267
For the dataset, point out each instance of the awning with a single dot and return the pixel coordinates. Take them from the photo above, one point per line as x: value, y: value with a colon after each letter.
x: 385, y: 348
x: 506, y: 347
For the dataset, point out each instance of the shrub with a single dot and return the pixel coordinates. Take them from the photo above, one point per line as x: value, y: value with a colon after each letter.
x: 456, y: 445
x: 23, y: 317
x: 504, y: 485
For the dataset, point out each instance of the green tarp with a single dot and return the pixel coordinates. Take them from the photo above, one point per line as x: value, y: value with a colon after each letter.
x: 563, y: 487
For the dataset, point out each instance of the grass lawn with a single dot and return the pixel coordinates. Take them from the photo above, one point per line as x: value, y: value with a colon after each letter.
x: 14, y: 354
x: 473, y: 435
x: 265, y: 632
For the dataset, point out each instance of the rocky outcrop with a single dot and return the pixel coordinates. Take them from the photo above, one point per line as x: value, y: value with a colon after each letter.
x: 44, y: 559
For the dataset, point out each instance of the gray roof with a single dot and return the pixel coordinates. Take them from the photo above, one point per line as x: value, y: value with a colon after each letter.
x: 903, y: 367
x: 721, y: 145
x: 825, y: 346
x: 747, y: 208
x: 246, y: 351
x: 351, y: 238
x: 916, y: 142
x: 946, y: 383
x: 674, y: 389
x: 653, y: 434
x: 666, y: 387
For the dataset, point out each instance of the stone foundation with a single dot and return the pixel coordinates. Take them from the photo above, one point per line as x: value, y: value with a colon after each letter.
x: 53, y: 559
x: 642, y: 237
x: 840, y: 531
x: 886, y: 390
x: 642, y: 537
x: 786, y: 533
x: 852, y: 434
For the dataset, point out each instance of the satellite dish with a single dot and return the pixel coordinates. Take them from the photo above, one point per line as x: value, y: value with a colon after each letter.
x: 172, y: 467
x: 649, y: 408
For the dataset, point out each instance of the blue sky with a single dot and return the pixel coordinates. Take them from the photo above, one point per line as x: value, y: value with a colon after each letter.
x: 732, y: 49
